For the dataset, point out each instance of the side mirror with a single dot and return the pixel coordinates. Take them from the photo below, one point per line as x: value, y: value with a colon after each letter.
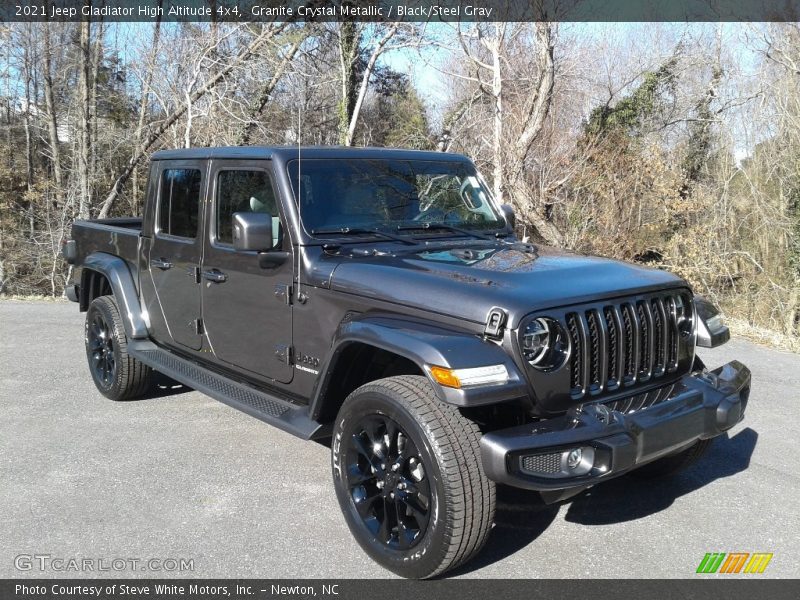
x: 255, y: 231
x: 711, y: 330
x: 508, y: 214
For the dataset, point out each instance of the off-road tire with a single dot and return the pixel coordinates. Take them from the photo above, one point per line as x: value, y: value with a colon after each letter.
x: 462, y: 498
x: 129, y: 378
x: 669, y: 465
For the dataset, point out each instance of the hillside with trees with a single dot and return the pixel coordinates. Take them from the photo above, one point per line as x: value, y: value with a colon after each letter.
x: 677, y: 146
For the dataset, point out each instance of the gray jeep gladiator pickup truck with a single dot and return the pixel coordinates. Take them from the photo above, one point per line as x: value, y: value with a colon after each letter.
x: 378, y: 299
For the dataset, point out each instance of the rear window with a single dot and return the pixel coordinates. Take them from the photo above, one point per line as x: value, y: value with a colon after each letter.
x: 179, y: 204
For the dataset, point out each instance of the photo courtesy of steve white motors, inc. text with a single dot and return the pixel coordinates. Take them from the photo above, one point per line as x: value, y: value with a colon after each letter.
x: 194, y: 590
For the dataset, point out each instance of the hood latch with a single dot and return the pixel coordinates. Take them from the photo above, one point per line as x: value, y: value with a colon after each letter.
x: 495, y: 321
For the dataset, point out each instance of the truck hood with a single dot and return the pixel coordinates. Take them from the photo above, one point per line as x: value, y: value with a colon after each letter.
x: 466, y: 281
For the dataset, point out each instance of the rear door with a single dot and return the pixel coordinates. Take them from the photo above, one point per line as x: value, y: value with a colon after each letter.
x: 174, y: 259
x: 247, y: 313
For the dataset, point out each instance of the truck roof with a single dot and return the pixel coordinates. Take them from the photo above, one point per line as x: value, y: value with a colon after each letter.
x: 289, y: 152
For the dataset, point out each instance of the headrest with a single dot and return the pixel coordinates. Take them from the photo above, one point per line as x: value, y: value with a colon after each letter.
x: 258, y: 205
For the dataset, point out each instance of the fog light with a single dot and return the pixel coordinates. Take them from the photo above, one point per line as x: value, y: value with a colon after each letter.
x: 574, y: 458
x: 564, y: 464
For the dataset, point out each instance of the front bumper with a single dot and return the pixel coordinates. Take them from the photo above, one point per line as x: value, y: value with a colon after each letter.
x: 537, y: 456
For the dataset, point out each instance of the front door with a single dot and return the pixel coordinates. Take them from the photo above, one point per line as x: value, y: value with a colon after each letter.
x: 175, y: 251
x: 246, y: 311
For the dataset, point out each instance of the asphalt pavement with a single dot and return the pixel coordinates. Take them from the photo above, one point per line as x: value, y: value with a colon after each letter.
x: 180, y: 477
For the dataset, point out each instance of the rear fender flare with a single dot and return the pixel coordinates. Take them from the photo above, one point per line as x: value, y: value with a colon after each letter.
x: 122, y: 283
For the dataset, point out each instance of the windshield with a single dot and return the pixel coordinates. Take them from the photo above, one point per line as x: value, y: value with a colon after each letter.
x: 385, y: 195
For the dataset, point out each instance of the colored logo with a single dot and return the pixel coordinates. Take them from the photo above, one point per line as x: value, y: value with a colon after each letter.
x: 734, y: 562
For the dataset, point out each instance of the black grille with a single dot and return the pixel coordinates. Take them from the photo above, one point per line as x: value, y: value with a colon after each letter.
x: 644, y: 347
x: 631, y: 352
x: 641, y: 401
x: 594, y: 352
x: 576, y: 366
x: 623, y: 343
x: 673, y: 336
x: 613, y: 348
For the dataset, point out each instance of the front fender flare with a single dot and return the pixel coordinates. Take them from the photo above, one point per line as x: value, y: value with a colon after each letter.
x: 119, y: 277
x: 425, y: 344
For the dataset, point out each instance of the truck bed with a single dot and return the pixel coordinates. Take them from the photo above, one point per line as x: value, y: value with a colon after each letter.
x: 117, y: 236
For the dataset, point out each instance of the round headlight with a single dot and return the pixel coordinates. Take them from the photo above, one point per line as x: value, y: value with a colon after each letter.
x: 536, y: 341
x: 543, y: 343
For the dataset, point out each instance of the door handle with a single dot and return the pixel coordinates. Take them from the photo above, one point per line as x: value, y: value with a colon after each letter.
x: 160, y: 263
x: 215, y: 276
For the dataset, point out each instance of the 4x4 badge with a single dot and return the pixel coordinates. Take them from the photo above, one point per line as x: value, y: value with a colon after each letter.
x: 494, y: 323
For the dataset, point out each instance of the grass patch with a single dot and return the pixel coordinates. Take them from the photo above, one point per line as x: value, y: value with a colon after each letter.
x: 762, y: 335
x: 32, y: 298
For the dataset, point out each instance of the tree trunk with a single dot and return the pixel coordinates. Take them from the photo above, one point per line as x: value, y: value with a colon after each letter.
x: 52, y: 120
x: 445, y: 138
x: 29, y: 102
x: 538, y: 104
x: 534, y: 213
x: 362, y: 92
x: 147, y: 82
x: 84, y: 123
x: 699, y: 144
x: 96, y: 62
x: 257, y: 107
x: 187, y: 132
x: 531, y: 209
x: 349, y: 44
x: 791, y: 316
x: 497, y: 98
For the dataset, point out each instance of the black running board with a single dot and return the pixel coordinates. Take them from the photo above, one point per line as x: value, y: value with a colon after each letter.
x: 266, y: 407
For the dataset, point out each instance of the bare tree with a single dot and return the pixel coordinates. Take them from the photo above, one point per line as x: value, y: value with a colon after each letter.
x: 534, y: 113
x: 259, y: 103
x: 488, y: 48
x: 147, y: 82
x: 50, y: 106
x: 383, y: 38
x: 84, y: 123
x: 379, y: 48
x: 267, y: 33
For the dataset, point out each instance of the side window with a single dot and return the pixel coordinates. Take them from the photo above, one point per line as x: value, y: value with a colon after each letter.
x: 179, y: 205
x: 241, y: 191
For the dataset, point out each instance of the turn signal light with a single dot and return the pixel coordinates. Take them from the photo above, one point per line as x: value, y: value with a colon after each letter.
x: 460, y: 378
x: 445, y: 377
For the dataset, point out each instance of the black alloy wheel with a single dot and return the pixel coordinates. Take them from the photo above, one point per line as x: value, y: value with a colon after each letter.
x: 409, y: 479
x: 387, y: 481
x: 115, y: 373
x: 100, y: 345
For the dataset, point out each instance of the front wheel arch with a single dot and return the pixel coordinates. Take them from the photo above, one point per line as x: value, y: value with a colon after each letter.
x: 353, y: 365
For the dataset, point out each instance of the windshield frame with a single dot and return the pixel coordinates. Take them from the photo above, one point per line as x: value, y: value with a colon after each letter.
x: 502, y: 229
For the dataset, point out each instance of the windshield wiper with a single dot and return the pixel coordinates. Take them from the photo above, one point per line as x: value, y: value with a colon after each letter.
x: 446, y: 227
x: 495, y: 238
x: 360, y: 231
